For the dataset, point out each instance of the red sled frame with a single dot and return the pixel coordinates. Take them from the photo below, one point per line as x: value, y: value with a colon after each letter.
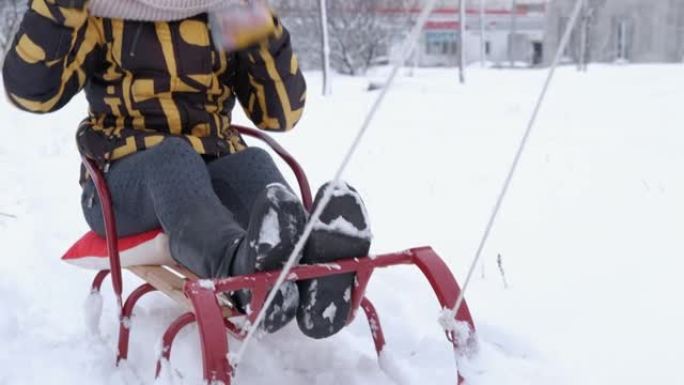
x: 213, y: 321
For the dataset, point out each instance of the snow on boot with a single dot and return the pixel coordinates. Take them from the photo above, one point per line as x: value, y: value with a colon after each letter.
x: 276, y: 223
x: 342, y: 232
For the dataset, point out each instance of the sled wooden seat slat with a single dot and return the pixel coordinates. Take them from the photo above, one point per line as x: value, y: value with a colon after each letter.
x: 184, y: 272
x: 165, y: 281
x: 171, y: 280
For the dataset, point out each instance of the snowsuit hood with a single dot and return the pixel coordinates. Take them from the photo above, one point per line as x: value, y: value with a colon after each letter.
x: 154, y: 10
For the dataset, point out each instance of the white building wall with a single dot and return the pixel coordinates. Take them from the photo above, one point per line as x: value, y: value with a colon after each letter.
x: 444, y: 24
x: 653, y: 30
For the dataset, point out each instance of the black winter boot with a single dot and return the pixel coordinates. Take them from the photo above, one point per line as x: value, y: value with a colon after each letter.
x: 342, y: 232
x: 276, y: 223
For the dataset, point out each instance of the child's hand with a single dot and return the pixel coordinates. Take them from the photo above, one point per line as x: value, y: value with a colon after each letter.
x: 242, y: 26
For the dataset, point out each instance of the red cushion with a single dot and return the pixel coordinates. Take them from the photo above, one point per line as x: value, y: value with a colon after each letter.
x: 149, y: 248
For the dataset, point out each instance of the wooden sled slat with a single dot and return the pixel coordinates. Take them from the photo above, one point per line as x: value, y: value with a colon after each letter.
x: 170, y: 280
x: 165, y: 281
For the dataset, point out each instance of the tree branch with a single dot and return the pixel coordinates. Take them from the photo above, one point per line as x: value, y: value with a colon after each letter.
x: 499, y: 262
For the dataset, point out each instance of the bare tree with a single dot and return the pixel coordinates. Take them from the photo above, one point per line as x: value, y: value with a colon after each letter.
x: 483, y: 40
x: 587, y: 33
x: 362, y: 31
x: 325, y: 47
x: 302, y: 19
x: 513, y: 31
x: 462, y: 40
x: 11, y: 12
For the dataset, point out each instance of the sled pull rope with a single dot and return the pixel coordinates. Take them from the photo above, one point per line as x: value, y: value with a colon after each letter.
x: 521, y: 148
x: 409, y: 45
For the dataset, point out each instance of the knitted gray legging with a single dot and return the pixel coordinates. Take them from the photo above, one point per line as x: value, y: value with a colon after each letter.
x: 203, y: 207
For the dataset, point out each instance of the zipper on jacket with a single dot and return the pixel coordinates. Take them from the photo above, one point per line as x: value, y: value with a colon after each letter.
x: 136, y: 37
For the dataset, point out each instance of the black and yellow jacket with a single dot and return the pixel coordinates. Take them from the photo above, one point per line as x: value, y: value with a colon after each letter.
x: 145, y: 81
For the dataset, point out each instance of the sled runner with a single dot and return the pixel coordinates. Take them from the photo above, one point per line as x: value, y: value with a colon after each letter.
x: 214, y: 315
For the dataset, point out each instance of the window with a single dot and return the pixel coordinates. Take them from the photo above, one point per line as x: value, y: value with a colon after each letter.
x: 537, y: 52
x: 441, y: 43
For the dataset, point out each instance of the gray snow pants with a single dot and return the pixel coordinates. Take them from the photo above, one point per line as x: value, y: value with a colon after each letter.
x: 202, y: 206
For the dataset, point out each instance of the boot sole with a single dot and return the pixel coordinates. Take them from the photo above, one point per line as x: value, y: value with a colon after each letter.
x: 271, y: 253
x: 325, y: 303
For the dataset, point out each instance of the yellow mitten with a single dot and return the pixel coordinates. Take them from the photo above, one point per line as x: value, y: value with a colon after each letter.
x: 244, y: 26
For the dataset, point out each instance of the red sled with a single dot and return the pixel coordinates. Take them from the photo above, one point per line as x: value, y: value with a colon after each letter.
x: 199, y: 296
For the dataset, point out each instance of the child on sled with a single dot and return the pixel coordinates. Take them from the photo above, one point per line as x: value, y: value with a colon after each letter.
x: 161, y: 89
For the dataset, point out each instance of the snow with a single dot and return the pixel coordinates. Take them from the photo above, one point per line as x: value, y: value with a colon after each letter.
x: 92, y: 311
x: 463, y: 334
x: 207, y: 284
x: 269, y: 232
x: 388, y: 363
x: 330, y: 266
x: 343, y: 226
x: 283, y: 195
x: 590, y: 237
x: 287, y: 293
x: 329, y: 312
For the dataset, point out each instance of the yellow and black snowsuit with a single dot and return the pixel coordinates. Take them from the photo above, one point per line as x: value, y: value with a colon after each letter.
x: 145, y: 81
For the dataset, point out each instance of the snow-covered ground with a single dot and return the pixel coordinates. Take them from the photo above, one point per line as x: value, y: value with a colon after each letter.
x: 591, y: 237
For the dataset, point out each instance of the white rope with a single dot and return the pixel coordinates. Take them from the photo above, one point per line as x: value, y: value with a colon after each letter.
x: 521, y: 148
x: 407, y: 49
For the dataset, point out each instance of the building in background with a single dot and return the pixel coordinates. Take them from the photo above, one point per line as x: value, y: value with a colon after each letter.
x: 521, y: 31
x: 389, y: 21
x: 370, y: 32
x: 636, y: 31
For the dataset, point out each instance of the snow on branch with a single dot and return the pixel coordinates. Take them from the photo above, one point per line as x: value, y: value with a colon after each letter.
x: 11, y: 12
x: 362, y: 32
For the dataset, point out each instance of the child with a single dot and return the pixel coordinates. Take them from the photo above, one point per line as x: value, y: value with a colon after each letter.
x: 161, y: 92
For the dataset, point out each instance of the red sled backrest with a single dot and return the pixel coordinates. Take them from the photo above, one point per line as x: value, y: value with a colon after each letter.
x: 149, y: 248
